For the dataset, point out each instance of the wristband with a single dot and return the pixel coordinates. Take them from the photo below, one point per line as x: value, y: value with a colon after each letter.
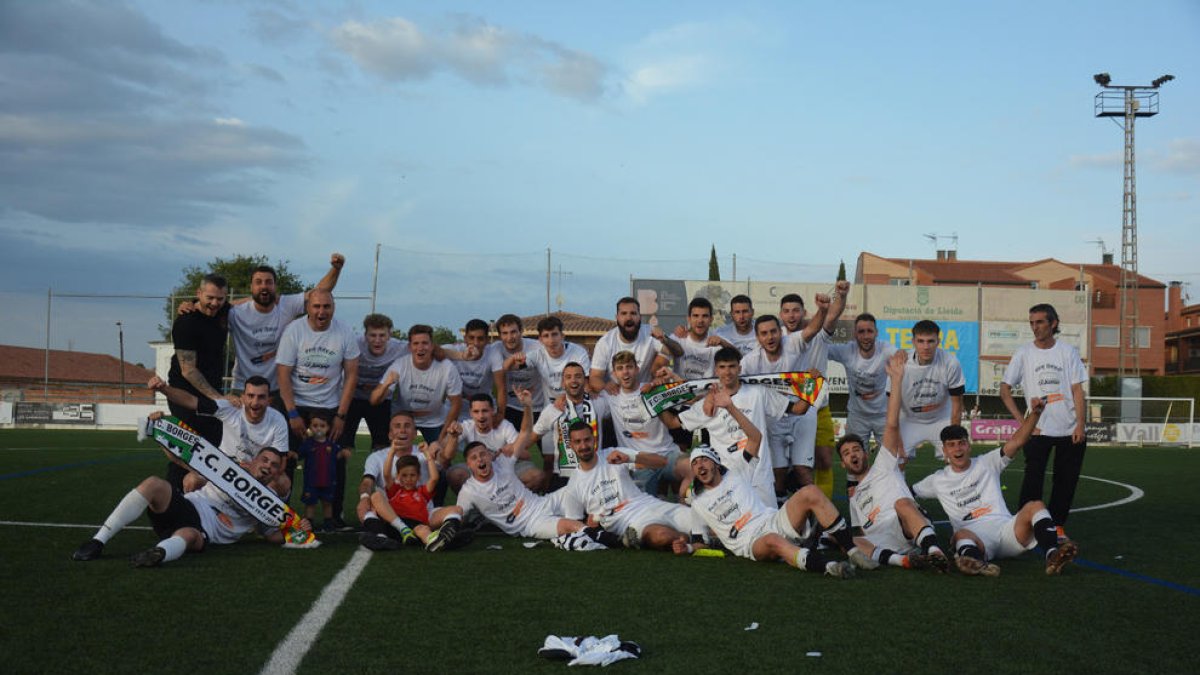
x: 293, y: 414
x: 365, y: 495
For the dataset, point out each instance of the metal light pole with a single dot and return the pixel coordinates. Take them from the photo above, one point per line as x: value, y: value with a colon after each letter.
x: 1128, y: 103
x: 121, y: 346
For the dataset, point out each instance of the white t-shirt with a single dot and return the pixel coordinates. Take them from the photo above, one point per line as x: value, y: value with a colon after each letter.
x: 972, y: 495
x: 374, y: 465
x: 696, y: 363
x: 744, y: 343
x: 503, y: 494
x: 645, y: 348
x: 371, y: 368
x: 761, y: 406
x: 256, y: 337
x: 607, y: 492
x: 551, y: 369
x: 476, y: 375
x: 877, y: 492
x: 553, y: 421
x: 316, y: 358
x: 926, y: 392
x: 758, y: 362
x: 1050, y: 373
x: 635, y: 427
x: 735, y: 512
x: 525, y: 378
x: 494, y: 439
x: 425, y: 391
x: 865, y: 376
x: 814, y: 353
x: 243, y: 440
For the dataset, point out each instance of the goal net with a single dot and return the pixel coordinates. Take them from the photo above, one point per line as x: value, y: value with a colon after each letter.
x: 1142, y: 421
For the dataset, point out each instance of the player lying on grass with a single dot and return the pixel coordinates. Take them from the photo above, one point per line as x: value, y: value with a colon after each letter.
x: 969, y: 491
x: 881, y: 505
x: 603, y: 488
x: 404, y: 503
x: 187, y: 522
x: 503, y: 499
x: 749, y: 527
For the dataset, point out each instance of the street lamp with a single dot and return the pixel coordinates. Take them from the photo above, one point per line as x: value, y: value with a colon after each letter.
x: 121, y: 346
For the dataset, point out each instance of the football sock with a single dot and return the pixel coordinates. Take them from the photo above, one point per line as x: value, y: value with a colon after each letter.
x: 926, y: 539
x: 889, y: 557
x: 174, y: 546
x: 809, y: 560
x: 824, y: 480
x: 968, y: 548
x: 841, y: 534
x: 1044, y: 531
x: 603, y: 536
x: 129, y: 509
x: 401, y: 527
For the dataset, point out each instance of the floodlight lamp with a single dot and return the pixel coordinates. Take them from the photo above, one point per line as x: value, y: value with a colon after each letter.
x: 1102, y: 79
x: 1162, y: 80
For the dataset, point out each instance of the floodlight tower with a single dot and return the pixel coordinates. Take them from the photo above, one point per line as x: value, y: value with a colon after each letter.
x: 1128, y: 102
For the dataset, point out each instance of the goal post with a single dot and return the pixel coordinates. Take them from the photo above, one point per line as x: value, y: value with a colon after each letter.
x: 1161, y: 421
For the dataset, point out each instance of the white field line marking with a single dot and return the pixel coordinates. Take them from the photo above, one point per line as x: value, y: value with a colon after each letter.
x: 71, y: 525
x: 1135, y: 493
x: 289, y: 653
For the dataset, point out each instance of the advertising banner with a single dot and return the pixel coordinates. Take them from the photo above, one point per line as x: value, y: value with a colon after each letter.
x: 960, y: 338
x: 1153, y: 434
x: 54, y: 413
x: 993, y: 430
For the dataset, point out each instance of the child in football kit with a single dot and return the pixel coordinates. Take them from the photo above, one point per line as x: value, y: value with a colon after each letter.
x: 319, y: 454
x: 410, y: 501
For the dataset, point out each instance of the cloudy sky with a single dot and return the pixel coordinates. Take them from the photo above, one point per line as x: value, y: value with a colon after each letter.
x: 628, y: 137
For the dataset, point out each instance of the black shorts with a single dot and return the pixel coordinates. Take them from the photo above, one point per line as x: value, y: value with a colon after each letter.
x: 180, y: 513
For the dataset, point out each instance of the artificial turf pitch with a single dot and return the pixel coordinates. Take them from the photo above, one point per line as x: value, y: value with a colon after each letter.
x: 1131, y: 605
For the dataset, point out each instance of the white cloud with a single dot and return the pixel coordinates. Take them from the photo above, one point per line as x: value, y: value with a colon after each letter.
x: 1182, y: 156
x: 667, y: 75
x: 398, y: 50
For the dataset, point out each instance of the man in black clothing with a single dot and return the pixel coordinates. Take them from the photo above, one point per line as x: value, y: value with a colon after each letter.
x: 199, y: 361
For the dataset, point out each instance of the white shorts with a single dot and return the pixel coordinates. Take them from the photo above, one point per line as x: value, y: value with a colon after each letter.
x: 916, y: 433
x: 999, y: 537
x: 865, y: 427
x: 886, y: 532
x: 793, y: 440
x: 542, y: 527
x: 656, y: 512
x: 777, y: 524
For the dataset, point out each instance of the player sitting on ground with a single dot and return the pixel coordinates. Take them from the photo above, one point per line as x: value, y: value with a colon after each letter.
x: 603, y: 488
x: 320, y: 454
x: 749, y: 527
x: 187, y: 522
x: 410, y: 501
x: 499, y: 496
x: 881, y: 505
x: 970, y: 493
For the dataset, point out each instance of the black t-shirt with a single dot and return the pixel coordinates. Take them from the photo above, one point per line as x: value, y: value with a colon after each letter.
x: 206, y: 336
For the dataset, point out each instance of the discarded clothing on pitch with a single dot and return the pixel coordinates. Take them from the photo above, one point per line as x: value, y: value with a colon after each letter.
x: 589, y: 651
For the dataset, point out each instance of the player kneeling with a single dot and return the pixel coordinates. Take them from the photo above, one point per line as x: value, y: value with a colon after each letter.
x: 970, y: 493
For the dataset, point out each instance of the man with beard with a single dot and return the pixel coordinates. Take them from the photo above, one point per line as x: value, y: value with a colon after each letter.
x: 629, y: 335
x: 576, y: 404
x: 258, y: 323
x: 740, y: 330
x: 696, y: 344
x: 865, y: 359
x: 198, y: 364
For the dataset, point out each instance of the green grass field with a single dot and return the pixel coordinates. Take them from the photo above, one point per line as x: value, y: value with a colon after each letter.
x: 1131, y: 605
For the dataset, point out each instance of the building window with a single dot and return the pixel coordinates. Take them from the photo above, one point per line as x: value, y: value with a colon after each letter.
x: 1109, y: 336
x: 898, y: 282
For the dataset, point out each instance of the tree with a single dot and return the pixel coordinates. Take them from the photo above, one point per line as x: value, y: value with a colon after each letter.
x: 237, y: 271
x: 714, y: 271
x: 842, y: 271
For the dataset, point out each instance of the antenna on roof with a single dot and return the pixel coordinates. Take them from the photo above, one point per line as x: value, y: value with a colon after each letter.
x: 1106, y: 256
